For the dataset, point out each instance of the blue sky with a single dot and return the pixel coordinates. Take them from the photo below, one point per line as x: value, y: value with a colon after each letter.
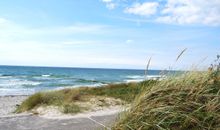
x: 109, y: 33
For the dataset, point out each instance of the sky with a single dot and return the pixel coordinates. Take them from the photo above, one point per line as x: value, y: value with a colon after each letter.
x: 109, y: 33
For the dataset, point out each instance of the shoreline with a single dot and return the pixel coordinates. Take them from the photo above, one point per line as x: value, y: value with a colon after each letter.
x: 15, y: 95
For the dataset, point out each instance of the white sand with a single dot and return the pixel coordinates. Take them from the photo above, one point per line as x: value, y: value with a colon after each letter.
x: 54, y: 113
x: 95, y: 107
x: 8, y: 104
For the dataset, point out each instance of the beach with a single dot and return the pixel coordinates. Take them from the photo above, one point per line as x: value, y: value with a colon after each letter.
x: 53, y: 120
x: 8, y: 104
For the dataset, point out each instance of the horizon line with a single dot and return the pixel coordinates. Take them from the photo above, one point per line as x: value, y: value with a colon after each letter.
x: 45, y: 66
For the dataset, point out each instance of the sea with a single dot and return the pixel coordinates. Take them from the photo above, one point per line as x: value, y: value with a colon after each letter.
x: 26, y: 80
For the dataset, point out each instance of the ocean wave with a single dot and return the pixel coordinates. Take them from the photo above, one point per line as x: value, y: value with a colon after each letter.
x: 153, y: 76
x: 48, y: 77
x: 85, y: 85
x: 133, y: 80
x: 134, y: 77
x: 45, y: 75
x: 54, y: 76
x: 86, y: 81
x: 4, y: 76
x: 18, y: 83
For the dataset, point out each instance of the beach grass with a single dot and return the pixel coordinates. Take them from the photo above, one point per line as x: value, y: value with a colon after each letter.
x: 190, y: 101
x: 68, y: 98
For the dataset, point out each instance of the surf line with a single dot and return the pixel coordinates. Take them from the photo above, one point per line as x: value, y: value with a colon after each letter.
x: 99, y: 123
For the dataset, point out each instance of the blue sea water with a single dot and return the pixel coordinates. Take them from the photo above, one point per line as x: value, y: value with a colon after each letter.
x: 20, y: 80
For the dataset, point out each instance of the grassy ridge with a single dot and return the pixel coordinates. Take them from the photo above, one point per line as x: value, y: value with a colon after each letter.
x: 67, y: 98
x: 190, y: 101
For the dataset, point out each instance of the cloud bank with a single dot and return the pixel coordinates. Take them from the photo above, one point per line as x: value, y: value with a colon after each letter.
x: 183, y: 12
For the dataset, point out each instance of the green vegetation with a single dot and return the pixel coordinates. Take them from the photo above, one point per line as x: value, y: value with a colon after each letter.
x: 190, y: 101
x: 71, y: 108
x: 67, y: 99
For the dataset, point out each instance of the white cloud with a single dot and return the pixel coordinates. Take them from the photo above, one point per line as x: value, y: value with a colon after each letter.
x: 198, y: 12
x: 106, y: 1
x: 110, y: 4
x: 191, y: 12
x: 144, y: 9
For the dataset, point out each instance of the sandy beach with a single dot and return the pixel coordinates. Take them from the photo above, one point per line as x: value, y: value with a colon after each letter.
x: 8, y: 104
x: 53, y: 120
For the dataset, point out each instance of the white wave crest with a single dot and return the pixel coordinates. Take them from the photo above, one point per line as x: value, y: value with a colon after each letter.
x: 45, y: 75
x: 16, y: 83
x: 135, y: 77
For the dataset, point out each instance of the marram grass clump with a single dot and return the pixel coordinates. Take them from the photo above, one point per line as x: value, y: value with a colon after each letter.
x: 187, y: 102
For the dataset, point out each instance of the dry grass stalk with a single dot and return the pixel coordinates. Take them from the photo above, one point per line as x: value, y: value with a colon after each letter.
x: 147, y: 67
